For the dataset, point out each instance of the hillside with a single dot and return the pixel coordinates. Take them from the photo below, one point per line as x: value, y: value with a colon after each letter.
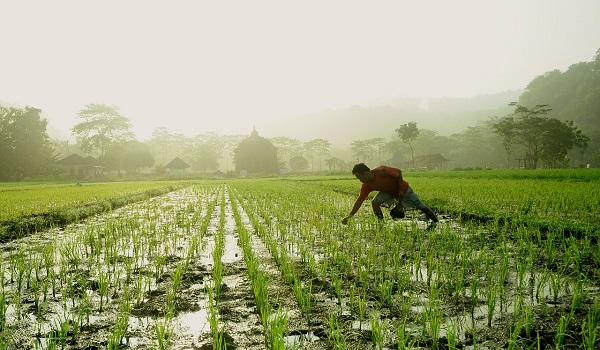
x: 342, y: 126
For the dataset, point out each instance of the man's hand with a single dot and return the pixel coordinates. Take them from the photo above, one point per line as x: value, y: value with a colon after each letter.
x: 345, y: 220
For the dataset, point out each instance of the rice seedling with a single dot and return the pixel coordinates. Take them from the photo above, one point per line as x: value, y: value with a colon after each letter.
x: 451, y: 335
x: 433, y: 317
x: 491, y: 299
x: 590, y: 327
x: 386, y: 291
x: 405, y: 342
x: 303, y: 295
x: 561, y: 331
x: 556, y: 284
x: 118, y: 332
x: 103, y: 283
x: 3, y: 307
x: 335, y: 336
x: 218, y: 335
x: 60, y: 329
x: 377, y: 331
x: 540, y: 284
x: 337, y: 284
x: 361, y: 299
x: 164, y: 332
x: 528, y: 320
x: 277, y: 330
x: 513, y: 342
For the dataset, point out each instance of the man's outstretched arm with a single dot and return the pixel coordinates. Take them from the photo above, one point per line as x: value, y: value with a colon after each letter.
x: 357, y: 204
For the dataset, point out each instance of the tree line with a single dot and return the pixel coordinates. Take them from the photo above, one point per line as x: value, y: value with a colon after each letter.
x: 545, y: 134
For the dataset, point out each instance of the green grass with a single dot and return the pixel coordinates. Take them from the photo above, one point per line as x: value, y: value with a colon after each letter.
x: 29, y: 207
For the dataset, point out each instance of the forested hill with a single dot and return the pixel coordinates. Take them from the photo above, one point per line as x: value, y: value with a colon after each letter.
x: 379, y: 119
x: 573, y: 95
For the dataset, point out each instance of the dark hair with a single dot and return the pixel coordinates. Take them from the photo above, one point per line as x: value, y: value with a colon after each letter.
x: 360, y: 168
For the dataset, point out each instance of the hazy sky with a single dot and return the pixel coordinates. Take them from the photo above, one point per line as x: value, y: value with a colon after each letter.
x: 225, y: 66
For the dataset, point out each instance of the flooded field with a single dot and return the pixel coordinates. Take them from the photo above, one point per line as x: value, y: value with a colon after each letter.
x: 242, y: 265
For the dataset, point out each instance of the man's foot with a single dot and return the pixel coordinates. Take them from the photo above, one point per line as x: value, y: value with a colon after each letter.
x: 397, y: 212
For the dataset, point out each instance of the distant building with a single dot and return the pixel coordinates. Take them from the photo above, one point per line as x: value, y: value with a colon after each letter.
x: 398, y: 161
x: 80, y: 167
x: 434, y: 161
x: 254, y: 155
x: 177, y: 167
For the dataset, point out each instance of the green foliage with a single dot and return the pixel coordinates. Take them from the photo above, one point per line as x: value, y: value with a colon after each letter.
x: 129, y: 155
x: 204, y: 151
x: 298, y: 163
x: 100, y: 126
x: 317, y: 147
x: 545, y: 139
x: 362, y: 150
x: 408, y: 133
x: 34, y: 207
x: 574, y: 95
x: 25, y: 149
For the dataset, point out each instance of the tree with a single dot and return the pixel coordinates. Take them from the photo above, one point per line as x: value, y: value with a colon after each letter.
x: 100, y: 126
x: 132, y: 156
x: 163, y: 141
x: 318, y: 147
x: 334, y: 163
x: 25, y: 148
x: 137, y: 156
x: 408, y: 133
x: 286, y: 148
x: 362, y: 149
x: 136, y: 161
x: 230, y: 142
x: 204, y: 151
x: 546, y: 139
x: 379, y: 144
x: 505, y: 128
x: 298, y: 163
x: 392, y: 147
x: 574, y: 95
x: 596, y: 155
x: 560, y: 138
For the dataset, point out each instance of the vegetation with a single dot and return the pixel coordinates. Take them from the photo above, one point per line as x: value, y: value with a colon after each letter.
x: 29, y: 207
x: 543, y: 130
x: 512, y: 265
x: 100, y: 126
x: 25, y: 149
x: 543, y: 138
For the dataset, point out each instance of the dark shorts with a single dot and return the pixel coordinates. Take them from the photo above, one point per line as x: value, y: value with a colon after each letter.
x: 410, y: 200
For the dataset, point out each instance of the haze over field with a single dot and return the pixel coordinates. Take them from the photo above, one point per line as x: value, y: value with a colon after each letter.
x: 226, y: 67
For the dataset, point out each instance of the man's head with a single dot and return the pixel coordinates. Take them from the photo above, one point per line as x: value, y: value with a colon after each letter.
x: 360, y: 168
x: 362, y: 172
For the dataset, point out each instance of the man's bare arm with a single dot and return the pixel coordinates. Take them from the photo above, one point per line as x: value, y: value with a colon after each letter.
x: 357, y: 204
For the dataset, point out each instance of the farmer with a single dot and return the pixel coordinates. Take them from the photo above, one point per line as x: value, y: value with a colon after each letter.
x: 388, y: 181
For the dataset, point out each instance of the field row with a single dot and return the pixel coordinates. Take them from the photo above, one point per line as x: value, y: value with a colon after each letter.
x: 19, y: 200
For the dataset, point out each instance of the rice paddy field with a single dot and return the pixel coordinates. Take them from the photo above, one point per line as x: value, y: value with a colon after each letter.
x: 266, y: 264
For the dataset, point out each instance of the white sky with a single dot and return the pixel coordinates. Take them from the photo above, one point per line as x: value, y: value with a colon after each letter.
x: 225, y: 66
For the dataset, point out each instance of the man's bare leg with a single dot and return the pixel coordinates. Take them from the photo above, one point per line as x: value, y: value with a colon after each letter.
x: 377, y: 209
